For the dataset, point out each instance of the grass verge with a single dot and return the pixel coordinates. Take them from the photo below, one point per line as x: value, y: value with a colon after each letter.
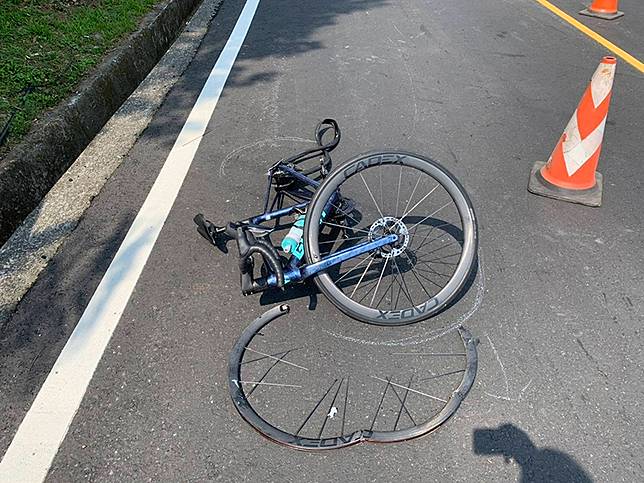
x: 47, y: 46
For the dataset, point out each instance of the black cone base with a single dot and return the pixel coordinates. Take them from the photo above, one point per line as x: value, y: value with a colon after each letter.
x: 605, y: 16
x: 539, y: 186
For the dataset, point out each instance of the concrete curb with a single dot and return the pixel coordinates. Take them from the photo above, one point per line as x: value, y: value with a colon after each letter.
x: 32, y: 167
x: 37, y: 239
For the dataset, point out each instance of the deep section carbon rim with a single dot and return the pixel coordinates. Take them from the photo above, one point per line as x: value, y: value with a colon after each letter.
x: 421, y: 203
x: 320, y: 397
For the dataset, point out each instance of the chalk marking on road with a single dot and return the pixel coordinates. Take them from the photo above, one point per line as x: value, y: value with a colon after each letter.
x: 525, y: 388
x: 272, y: 142
x: 505, y: 376
x: 45, y: 425
x: 594, y: 35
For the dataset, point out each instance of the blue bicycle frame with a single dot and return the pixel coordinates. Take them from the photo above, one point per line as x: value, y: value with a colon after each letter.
x: 297, y: 270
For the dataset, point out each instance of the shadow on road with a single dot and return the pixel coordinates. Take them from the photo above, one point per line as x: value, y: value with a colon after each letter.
x: 276, y: 36
x: 304, y: 290
x: 32, y: 338
x: 537, y: 464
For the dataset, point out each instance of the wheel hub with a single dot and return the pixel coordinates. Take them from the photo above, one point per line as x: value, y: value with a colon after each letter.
x: 389, y: 225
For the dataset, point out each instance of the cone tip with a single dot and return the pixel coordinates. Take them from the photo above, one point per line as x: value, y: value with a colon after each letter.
x: 609, y: 59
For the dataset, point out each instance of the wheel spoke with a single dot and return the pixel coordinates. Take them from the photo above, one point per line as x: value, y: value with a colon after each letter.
x: 281, y: 353
x: 411, y: 197
x: 429, y: 280
x: 429, y: 232
x: 402, y: 403
x: 410, y: 389
x: 342, y: 226
x: 353, y: 268
x: 436, y: 238
x: 432, y: 214
x: 274, y: 384
x: 432, y: 227
x: 275, y: 358
x: 382, y: 201
x: 442, y: 375
x: 368, y: 284
x: 391, y: 294
x: 384, y: 293
x: 421, y: 200
x: 434, y: 354
x: 330, y: 407
x: 371, y: 194
x: 362, y: 276
x: 440, y: 248
x: 266, y: 372
x: 346, y: 399
x: 413, y: 271
x: 398, y: 192
x: 429, y: 274
x: 425, y: 263
x: 431, y: 270
x: 342, y: 239
x: 406, y: 289
x: 379, y: 279
x: 346, y: 214
x: 315, y: 408
x: 375, y: 416
x: 438, y: 260
x: 399, y: 291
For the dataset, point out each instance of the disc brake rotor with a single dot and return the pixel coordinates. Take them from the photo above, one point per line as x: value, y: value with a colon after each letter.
x: 388, y: 225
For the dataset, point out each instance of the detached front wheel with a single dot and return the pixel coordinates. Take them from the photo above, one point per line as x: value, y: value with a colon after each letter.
x: 392, y: 192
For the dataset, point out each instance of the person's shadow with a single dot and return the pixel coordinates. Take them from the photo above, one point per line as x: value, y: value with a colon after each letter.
x: 537, y: 464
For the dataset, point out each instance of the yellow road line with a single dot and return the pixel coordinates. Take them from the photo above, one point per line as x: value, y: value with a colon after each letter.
x: 594, y: 35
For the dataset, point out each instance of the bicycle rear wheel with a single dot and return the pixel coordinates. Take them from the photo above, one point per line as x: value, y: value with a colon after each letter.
x: 392, y: 192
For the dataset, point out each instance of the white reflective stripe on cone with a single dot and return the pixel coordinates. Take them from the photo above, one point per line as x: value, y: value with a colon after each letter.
x: 602, y: 83
x: 576, y: 151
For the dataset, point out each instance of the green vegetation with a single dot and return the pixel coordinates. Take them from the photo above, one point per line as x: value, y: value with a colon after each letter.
x: 51, y: 44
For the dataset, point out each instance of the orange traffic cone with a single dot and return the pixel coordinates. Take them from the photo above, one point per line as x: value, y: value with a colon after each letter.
x: 570, y: 174
x: 606, y: 9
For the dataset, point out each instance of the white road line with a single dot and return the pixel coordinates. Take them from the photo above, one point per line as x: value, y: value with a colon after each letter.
x: 45, y: 425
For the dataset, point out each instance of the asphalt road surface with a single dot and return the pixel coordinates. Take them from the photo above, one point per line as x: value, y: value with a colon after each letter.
x: 486, y: 88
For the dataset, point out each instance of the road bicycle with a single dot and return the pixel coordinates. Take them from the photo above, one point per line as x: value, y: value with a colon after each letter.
x: 390, y: 237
